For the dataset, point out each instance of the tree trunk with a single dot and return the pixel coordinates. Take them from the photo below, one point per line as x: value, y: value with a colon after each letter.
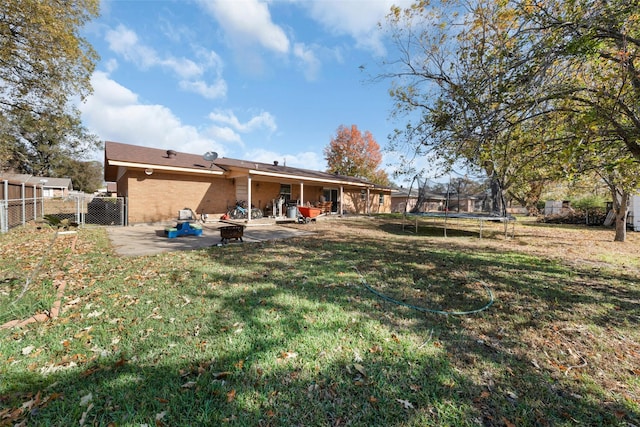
x: 621, y: 210
x: 497, y: 199
x: 533, y: 197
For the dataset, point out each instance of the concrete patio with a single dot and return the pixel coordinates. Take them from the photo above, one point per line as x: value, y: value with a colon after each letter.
x: 141, y: 240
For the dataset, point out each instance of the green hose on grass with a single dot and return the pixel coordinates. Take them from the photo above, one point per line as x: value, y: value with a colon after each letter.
x: 424, y: 309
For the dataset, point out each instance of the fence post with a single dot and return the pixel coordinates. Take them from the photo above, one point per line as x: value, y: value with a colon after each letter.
x: 77, y: 196
x: 4, y: 208
x: 4, y: 227
x: 35, y: 202
x: 24, y: 203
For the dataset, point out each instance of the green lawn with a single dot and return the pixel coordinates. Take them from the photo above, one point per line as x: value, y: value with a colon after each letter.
x: 286, y: 334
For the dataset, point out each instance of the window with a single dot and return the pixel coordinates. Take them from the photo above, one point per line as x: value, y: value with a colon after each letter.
x: 381, y: 199
x: 285, y: 191
x: 363, y: 195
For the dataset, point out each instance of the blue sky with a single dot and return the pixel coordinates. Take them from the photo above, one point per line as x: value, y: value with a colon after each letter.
x: 248, y: 79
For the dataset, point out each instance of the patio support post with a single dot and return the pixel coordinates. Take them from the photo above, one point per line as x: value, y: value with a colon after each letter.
x: 341, y: 199
x: 249, y: 198
x: 368, y: 201
x: 302, y: 194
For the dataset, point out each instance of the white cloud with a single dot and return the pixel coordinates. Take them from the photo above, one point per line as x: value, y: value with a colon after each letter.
x: 126, y: 43
x: 305, y: 159
x: 115, y: 113
x: 308, y: 59
x: 224, y: 134
x: 216, y: 90
x: 227, y: 127
x: 111, y: 65
x: 264, y: 120
x: 248, y: 22
x: 354, y: 18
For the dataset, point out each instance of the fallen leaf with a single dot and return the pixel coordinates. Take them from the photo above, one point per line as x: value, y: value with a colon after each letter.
x: 288, y: 355
x: 84, y: 401
x: 511, y: 395
x: 221, y: 375
x: 231, y: 396
x: 375, y: 349
x: 161, y: 415
x: 620, y: 414
x: 84, y: 415
x: 405, y: 403
x: 360, y: 369
x: 27, y: 350
x: 188, y: 384
x: 95, y: 313
x: 508, y: 423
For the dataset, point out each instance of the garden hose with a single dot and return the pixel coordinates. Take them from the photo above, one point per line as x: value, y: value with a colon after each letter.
x: 424, y: 309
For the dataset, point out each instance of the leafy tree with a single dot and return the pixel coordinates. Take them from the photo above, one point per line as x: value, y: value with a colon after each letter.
x: 595, y: 45
x: 354, y: 154
x: 86, y: 176
x: 45, y: 143
x: 519, y: 88
x: 44, y: 66
x: 43, y: 59
x: 453, y: 81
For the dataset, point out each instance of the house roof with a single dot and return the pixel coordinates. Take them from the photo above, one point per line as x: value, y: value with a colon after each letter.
x: 44, y: 181
x: 404, y: 193
x: 118, y: 155
x: 48, y: 182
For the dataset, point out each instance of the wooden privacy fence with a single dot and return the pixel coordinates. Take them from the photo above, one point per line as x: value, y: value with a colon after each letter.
x: 19, y: 203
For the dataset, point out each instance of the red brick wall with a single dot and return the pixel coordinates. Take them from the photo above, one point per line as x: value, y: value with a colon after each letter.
x: 160, y: 196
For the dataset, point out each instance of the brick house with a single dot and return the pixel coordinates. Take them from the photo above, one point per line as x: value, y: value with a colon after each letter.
x: 158, y: 183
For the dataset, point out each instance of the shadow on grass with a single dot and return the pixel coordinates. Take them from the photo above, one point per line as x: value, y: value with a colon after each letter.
x: 287, y: 335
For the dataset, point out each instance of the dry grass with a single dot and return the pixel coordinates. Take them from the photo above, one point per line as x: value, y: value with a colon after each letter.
x: 284, y: 333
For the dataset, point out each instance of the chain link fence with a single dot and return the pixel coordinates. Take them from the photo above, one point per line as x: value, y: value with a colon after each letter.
x: 14, y: 212
x: 78, y: 208
x: 88, y: 209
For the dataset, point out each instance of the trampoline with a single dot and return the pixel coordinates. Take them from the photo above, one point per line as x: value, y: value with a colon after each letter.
x: 480, y: 217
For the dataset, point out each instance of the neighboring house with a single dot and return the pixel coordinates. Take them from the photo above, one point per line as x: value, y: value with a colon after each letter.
x: 403, y: 200
x: 110, y: 189
x: 51, y: 187
x: 55, y: 187
x: 158, y: 183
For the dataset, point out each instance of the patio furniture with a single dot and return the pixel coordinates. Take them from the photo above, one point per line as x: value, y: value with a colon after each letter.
x: 185, y: 226
x: 325, y: 206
